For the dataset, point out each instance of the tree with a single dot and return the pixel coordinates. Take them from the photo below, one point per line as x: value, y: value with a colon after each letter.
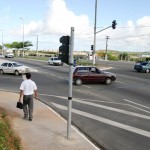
x: 123, y: 56
x: 27, y: 44
x: 19, y: 45
x: 16, y: 45
x: 8, y: 45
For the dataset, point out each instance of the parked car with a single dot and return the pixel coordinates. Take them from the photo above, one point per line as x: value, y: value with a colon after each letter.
x: 54, y: 61
x: 90, y: 74
x: 142, y: 67
x: 13, y: 67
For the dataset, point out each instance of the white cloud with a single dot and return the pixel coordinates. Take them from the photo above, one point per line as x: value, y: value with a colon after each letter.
x: 59, y: 19
x: 33, y: 27
x: 145, y: 21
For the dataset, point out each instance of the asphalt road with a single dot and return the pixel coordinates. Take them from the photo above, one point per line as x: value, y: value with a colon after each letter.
x: 115, y: 117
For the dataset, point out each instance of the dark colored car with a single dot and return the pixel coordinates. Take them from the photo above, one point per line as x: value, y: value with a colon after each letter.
x: 142, y: 67
x: 90, y: 74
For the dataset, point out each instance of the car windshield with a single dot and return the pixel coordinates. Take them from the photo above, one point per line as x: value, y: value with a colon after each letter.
x: 56, y: 59
x: 144, y: 63
x: 16, y: 65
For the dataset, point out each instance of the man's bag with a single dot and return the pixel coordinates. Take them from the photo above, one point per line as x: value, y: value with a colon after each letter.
x: 19, y: 105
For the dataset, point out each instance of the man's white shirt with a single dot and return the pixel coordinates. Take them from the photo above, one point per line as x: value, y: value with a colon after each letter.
x: 28, y: 86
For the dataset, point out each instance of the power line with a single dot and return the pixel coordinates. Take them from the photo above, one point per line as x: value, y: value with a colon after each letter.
x: 131, y: 36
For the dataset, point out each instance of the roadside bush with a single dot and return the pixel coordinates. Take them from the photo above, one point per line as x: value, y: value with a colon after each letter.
x: 8, y: 139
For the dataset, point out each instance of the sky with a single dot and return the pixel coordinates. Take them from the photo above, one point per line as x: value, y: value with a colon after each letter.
x: 52, y: 19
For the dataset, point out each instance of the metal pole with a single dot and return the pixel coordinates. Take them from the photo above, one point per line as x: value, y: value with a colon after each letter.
x: 94, y: 44
x: 70, y: 81
x: 107, y: 37
x: 23, y: 35
x: 37, y: 47
x: 2, y: 41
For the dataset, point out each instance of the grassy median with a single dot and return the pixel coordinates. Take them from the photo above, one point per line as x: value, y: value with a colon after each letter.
x: 8, y: 139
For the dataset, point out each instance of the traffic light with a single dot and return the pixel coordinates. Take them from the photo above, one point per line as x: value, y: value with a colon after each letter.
x: 91, y: 47
x: 114, y: 24
x: 64, y: 49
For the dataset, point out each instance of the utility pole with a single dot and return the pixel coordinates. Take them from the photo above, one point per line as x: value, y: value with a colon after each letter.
x: 37, y: 46
x: 23, y: 36
x: 2, y: 42
x: 107, y: 37
x: 94, y: 44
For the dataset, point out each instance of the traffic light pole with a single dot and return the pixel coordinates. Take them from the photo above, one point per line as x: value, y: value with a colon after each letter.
x: 103, y: 29
x: 71, y: 48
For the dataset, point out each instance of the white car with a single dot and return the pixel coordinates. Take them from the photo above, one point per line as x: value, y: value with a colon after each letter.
x: 9, y: 55
x: 54, y: 61
x: 13, y: 67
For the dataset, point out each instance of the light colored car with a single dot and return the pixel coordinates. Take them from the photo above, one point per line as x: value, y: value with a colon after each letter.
x: 13, y: 67
x: 54, y: 61
x: 11, y: 55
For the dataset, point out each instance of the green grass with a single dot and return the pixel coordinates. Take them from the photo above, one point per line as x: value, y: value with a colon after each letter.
x: 8, y: 139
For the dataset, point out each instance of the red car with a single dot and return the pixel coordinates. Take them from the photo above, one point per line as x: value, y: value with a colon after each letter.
x: 90, y: 74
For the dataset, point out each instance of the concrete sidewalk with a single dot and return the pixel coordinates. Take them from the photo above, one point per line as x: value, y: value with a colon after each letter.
x: 47, y: 130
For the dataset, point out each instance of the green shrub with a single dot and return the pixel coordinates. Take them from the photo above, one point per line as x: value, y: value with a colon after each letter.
x: 8, y: 139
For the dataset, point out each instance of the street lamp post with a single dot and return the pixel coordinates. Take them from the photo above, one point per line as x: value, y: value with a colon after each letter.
x: 23, y: 34
x: 2, y: 41
x: 37, y: 46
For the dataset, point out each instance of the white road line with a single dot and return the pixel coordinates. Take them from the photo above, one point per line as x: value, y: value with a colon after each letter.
x: 10, y: 77
x: 87, y: 86
x: 120, y: 82
x: 107, y: 121
x: 136, y: 103
x: 107, y: 107
x: 114, y: 103
x: 115, y: 109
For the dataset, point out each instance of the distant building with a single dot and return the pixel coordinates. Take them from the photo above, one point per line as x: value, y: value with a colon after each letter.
x: 145, y: 57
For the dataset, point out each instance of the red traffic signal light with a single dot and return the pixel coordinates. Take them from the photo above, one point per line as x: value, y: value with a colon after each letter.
x: 114, y: 24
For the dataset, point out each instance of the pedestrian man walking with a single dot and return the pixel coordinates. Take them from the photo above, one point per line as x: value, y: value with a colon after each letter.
x: 28, y: 89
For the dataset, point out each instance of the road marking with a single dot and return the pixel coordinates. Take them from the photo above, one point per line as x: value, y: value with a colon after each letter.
x: 10, y: 77
x: 87, y: 86
x: 120, y: 82
x: 107, y: 121
x: 113, y: 103
x: 136, y: 103
x: 115, y: 109
x: 106, y: 107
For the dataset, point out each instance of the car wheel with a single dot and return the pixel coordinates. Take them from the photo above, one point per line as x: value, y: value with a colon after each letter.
x: 147, y: 70
x: 1, y: 71
x: 17, y: 73
x: 108, y: 81
x: 78, y: 81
